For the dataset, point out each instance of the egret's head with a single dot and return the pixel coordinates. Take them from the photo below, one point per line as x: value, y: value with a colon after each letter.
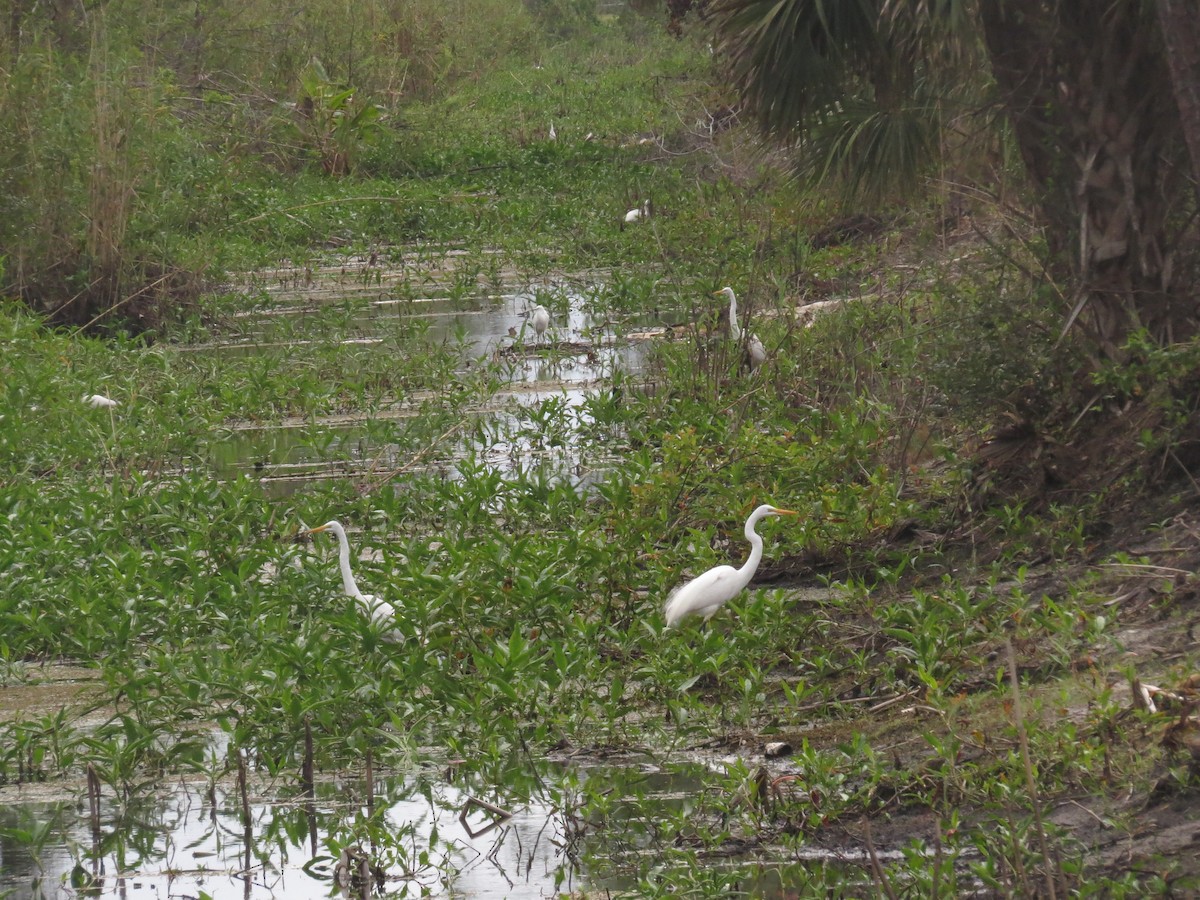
x: 726, y: 292
x: 333, y: 526
x: 768, y: 510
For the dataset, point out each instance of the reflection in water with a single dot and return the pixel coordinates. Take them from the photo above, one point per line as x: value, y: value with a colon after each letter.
x: 191, y: 839
x: 517, y: 833
x: 538, y: 421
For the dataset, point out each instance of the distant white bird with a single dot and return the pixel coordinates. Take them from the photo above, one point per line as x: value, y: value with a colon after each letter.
x: 553, y: 134
x: 705, y: 594
x: 99, y: 401
x: 539, y: 318
x: 380, y: 612
x: 756, y: 353
x: 637, y: 214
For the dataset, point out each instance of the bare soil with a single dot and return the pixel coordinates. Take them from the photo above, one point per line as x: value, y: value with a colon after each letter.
x: 1141, y: 813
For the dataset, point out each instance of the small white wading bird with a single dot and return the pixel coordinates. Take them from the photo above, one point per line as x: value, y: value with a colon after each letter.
x: 539, y: 318
x: 756, y: 353
x: 705, y: 594
x: 379, y: 611
x: 99, y: 401
x: 637, y: 214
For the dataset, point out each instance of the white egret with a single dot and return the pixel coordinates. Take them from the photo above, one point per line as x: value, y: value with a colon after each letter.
x: 553, y: 135
x: 705, y: 594
x: 380, y: 612
x: 540, y: 319
x: 756, y: 353
x: 637, y: 214
x: 99, y: 401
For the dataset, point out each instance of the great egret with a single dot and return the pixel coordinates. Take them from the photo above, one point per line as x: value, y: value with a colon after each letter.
x: 553, y: 135
x: 637, y: 214
x: 756, y: 353
x: 705, y: 594
x: 380, y: 612
x: 99, y: 401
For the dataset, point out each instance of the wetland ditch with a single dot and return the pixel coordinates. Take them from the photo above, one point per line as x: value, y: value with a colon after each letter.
x: 967, y: 665
x: 239, y: 831
x: 163, y: 774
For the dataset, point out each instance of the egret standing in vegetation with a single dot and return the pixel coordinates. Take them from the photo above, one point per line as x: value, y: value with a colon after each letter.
x: 380, y: 612
x: 99, y: 401
x: 539, y: 318
x: 637, y: 214
x: 705, y: 594
x: 756, y: 353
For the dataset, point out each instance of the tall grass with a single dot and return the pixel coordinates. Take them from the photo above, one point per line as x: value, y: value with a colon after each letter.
x: 110, y: 114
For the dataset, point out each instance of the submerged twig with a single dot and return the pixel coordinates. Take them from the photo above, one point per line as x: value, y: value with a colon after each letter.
x: 243, y: 788
x: 500, y: 812
x: 306, y: 770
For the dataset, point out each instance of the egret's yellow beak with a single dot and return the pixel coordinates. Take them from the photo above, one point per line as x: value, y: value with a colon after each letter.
x: 785, y: 512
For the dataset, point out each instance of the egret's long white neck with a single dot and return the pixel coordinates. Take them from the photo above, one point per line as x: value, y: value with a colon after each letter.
x: 735, y: 329
x: 756, y: 547
x: 349, y: 585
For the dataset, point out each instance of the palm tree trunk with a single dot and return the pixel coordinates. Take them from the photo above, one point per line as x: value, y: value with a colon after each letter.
x: 1180, y: 24
x: 1089, y: 94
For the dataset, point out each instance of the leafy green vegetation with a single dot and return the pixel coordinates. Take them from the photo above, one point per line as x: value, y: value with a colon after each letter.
x: 144, y: 541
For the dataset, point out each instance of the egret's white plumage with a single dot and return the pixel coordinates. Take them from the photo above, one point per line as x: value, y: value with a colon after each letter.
x: 638, y: 213
x: 539, y: 318
x: 379, y: 611
x: 706, y: 593
x: 99, y: 401
x: 735, y: 327
x: 756, y: 353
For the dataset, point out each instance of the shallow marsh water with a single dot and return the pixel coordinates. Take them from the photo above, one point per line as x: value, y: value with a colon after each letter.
x: 178, y: 842
x: 479, y: 324
x: 187, y: 836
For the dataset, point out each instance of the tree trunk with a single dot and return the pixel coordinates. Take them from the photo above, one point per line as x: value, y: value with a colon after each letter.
x: 1180, y: 24
x: 1089, y: 95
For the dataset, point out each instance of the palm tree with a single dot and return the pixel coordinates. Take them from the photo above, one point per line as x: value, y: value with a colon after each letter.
x: 1089, y: 96
x: 859, y: 91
